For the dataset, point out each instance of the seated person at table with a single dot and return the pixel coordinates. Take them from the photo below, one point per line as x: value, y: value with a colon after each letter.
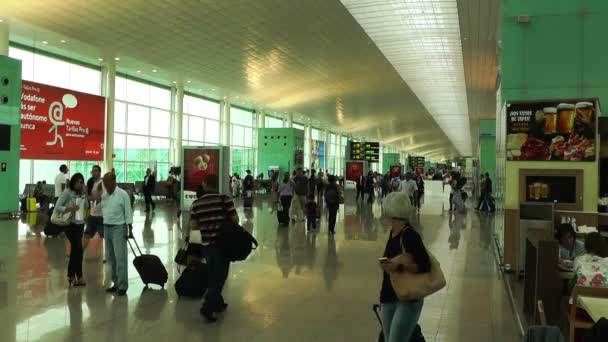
x: 591, y: 268
x: 569, y: 246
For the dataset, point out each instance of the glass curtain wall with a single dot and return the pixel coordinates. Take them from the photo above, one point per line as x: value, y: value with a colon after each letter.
x: 242, y: 145
x: 272, y: 122
x: 142, y: 123
x: 201, y: 123
x: 41, y: 67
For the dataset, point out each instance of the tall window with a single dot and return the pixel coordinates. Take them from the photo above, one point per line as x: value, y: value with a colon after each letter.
x: 272, y: 122
x: 142, y: 124
x: 201, y: 123
x: 242, y: 145
x: 39, y: 67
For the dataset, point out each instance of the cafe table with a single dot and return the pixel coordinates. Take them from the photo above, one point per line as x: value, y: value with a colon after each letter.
x: 595, y: 307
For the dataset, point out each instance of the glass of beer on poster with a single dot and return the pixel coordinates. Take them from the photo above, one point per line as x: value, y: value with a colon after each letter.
x: 550, y: 120
x: 565, y: 118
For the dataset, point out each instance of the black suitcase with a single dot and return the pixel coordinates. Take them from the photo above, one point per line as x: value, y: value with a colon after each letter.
x: 416, y: 335
x: 50, y: 229
x: 192, y: 282
x: 283, y: 216
x: 150, y: 268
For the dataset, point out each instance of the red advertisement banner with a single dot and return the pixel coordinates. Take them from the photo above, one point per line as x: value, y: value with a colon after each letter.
x: 61, y: 124
x: 354, y: 170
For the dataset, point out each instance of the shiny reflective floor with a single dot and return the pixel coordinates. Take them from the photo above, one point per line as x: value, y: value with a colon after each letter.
x: 295, y: 287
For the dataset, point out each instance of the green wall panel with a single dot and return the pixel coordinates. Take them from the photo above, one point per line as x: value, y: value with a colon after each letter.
x: 559, y: 53
x: 277, y: 147
x: 389, y: 159
x: 10, y: 108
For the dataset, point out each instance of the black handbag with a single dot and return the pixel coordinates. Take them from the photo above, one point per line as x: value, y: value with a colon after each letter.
x: 182, y: 255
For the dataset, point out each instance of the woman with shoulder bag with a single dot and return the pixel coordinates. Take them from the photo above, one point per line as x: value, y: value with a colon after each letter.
x: 73, y: 200
x: 404, y: 252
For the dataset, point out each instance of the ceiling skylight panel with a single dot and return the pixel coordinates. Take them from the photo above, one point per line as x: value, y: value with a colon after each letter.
x: 421, y: 38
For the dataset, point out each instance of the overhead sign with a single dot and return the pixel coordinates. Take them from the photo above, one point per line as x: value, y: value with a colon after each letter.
x: 562, y: 130
x: 369, y: 151
x: 416, y: 162
x: 61, y: 124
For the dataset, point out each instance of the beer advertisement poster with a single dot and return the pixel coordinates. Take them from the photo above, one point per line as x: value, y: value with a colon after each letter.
x: 561, y: 130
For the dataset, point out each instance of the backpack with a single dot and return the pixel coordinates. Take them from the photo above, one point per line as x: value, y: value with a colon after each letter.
x: 461, y: 182
x: 235, y: 243
x: 331, y: 195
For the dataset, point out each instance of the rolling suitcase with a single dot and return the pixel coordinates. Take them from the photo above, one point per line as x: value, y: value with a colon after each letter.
x: 248, y: 200
x: 50, y: 229
x: 150, y: 268
x: 192, y: 283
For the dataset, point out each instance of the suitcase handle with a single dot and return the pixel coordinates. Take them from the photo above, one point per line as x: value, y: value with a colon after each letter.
x: 376, y: 309
x: 136, y: 245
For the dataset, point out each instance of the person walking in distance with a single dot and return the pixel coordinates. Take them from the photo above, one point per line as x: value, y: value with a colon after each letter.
x: 95, y: 219
x: 286, y: 192
x: 311, y: 213
x: 333, y: 192
x: 61, y: 181
x: 299, y: 200
x: 149, y: 186
x: 118, y: 227
x: 369, y: 187
x: 360, y: 187
x: 74, y: 201
x: 208, y: 214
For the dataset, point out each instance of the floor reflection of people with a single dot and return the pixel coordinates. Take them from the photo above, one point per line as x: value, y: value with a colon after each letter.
x: 486, y: 228
x: 75, y: 310
x: 148, y: 232
x: 283, y: 251
x: 331, y: 265
x: 119, y: 311
x: 456, y: 223
x: 311, y: 249
x: 298, y: 236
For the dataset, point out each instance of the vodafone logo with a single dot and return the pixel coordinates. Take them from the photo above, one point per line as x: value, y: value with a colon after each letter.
x: 56, y: 116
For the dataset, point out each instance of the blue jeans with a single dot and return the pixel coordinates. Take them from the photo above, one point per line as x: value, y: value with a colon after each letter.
x: 116, y: 254
x: 400, y: 319
x: 218, y: 273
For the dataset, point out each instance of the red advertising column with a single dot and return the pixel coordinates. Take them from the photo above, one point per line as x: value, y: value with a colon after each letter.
x: 61, y: 124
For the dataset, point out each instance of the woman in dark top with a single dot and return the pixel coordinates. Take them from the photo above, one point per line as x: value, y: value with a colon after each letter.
x: 399, y: 318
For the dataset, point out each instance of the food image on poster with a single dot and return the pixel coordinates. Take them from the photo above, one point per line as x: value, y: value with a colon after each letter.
x: 199, y: 164
x: 551, y: 130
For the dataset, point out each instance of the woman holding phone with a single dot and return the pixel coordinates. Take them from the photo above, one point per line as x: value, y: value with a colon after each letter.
x: 73, y: 200
x: 400, y: 318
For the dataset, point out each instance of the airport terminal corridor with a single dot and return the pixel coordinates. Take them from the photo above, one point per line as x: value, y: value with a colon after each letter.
x: 295, y: 286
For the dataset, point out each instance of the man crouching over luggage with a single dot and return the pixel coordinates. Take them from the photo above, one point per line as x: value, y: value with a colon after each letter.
x: 207, y: 215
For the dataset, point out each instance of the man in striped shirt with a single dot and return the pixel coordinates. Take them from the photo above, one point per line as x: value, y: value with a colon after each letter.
x: 208, y: 214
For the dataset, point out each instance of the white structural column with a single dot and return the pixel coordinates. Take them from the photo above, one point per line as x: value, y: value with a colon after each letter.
x: 226, y: 121
x: 339, y: 161
x: 172, y: 129
x: 179, y: 118
x: 327, y: 149
x: 309, y: 138
x: 260, y: 123
x: 108, y: 77
x: 4, y: 38
x: 261, y: 119
x: 290, y: 120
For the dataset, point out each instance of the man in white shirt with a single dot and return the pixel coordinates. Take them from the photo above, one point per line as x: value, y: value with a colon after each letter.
x: 60, y: 181
x: 118, y: 227
x: 408, y: 185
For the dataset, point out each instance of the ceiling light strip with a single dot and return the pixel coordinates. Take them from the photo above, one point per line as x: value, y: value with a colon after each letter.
x: 421, y: 39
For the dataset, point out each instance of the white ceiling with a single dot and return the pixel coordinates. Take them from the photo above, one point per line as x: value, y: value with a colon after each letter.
x: 309, y: 57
